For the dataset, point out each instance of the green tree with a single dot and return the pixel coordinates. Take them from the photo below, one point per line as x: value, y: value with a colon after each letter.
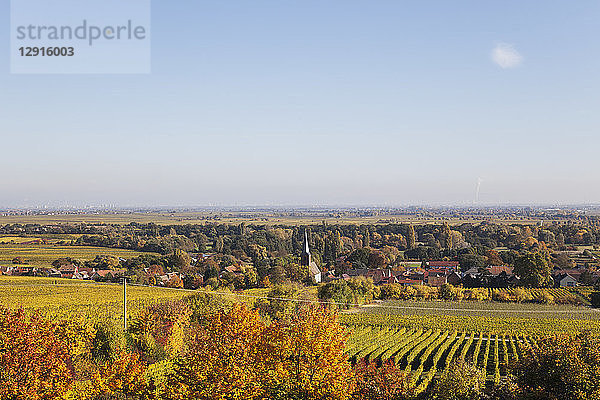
x: 180, y: 259
x: 218, y: 245
x: 337, y: 291
x: 595, y: 299
x: 279, y: 302
x: 533, y: 269
x: 411, y: 237
x: 446, y: 236
x: 366, y: 238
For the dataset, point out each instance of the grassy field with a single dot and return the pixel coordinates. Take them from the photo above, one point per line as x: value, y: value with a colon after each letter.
x: 43, y: 255
x: 16, y: 239
x: 46, y: 238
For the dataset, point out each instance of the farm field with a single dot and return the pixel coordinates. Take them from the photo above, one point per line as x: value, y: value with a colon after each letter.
x: 250, y: 217
x: 47, y: 238
x: 43, y: 255
x: 17, y: 239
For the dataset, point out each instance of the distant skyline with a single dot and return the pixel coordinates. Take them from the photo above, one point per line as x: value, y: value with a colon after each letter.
x: 307, y: 102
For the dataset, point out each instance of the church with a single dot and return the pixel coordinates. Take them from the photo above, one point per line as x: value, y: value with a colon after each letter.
x: 305, y: 260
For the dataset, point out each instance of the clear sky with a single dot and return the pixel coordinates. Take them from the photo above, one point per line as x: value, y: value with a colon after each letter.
x: 338, y: 102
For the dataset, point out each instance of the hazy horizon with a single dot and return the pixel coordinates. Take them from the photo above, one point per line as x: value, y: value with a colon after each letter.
x: 312, y: 103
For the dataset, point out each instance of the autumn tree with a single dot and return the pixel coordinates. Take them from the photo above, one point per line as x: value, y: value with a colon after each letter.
x: 223, y: 359
x: 307, y: 353
x: 121, y: 376
x: 158, y: 330
x: 233, y: 354
x: 388, y: 382
x: 560, y: 368
x: 493, y: 258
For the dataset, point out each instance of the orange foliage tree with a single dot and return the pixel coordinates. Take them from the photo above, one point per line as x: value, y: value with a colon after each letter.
x: 35, y: 361
x: 307, y: 354
x: 121, y: 375
x: 223, y: 360
x: 233, y: 354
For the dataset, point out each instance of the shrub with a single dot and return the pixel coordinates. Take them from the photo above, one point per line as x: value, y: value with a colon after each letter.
x: 337, y: 291
x: 546, y: 298
x: 461, y: 381
x: 446, y: 292
x: 595, y: 299
x: 522, y: 295
x: 388, y: 382
x: 158, y: 331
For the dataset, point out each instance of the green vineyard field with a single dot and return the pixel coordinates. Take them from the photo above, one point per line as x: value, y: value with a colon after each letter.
x: 428, y: 352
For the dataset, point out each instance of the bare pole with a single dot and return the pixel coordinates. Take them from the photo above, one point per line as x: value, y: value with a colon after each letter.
x: 124, y: 304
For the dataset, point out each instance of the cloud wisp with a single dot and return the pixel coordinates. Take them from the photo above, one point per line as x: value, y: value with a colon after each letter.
x: 506, y: 56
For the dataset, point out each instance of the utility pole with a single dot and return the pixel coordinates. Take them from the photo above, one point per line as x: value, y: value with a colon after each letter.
x: 124, y: 304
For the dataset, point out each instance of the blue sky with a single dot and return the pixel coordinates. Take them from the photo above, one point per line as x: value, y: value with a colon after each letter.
x: 310, y: 102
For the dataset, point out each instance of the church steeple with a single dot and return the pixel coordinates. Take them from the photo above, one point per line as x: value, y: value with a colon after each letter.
x: 305, y: 257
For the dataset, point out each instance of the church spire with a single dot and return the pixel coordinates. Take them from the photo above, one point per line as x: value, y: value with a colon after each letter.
x: 305, y: 257
x: 306, y: 249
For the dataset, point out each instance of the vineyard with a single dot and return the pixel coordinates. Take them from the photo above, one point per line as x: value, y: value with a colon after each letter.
x: 95, y: 302
x: 425, y: 337
x: 541, y: 296
x: 425, y: 352
x: 487, y: 317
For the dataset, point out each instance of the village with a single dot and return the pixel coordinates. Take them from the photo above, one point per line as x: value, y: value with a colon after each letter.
x: 433, y: 273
